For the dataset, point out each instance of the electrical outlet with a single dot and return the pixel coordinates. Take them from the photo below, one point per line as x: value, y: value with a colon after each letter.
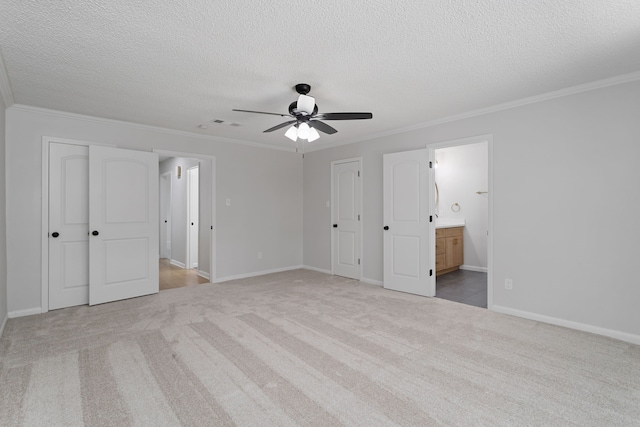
x: 259, y: 255
x: 508, y: 284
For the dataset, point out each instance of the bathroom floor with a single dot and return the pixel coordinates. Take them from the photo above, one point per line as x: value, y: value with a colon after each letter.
x: 463, y: 286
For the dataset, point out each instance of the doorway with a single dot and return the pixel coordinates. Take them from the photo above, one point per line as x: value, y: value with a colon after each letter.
x: 190, y: 257
x: 463, y: 220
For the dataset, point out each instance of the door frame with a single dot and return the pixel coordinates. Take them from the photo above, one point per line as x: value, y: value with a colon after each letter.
x: 331, y: 219
x: 213, y: 228
x: 488, y: 138
x: 189, y: 257
x: 44, y: 242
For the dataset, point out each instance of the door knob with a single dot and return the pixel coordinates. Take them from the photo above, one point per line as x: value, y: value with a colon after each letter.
x: 191, y: 223
x: 335, y: 225
x: 55, y: 234
x: 95, y: 232
x: 386, y: 227
x: 165, y: 221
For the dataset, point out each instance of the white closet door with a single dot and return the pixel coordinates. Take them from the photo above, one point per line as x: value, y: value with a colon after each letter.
x: 123, y: 219
x: 346, y: 213
x: 68, y: 225
x: 407, y: 250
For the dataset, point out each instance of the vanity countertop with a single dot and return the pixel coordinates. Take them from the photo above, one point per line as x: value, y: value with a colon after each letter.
x: 449, y: 222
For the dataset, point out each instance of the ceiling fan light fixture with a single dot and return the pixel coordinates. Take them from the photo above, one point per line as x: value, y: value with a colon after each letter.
x: 303, y: 131
x: 306, y: 104
x: 292, y: 133
x: 313, y: 135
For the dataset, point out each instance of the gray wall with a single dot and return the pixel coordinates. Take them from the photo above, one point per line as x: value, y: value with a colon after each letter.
x: 264, y: 184
x: 3, y: 223
x: 565, y: 204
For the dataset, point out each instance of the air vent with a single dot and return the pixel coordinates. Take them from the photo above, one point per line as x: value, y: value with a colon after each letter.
x: 222, y: 122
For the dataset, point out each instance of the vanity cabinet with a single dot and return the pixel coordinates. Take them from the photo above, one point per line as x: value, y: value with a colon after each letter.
x: 449, y: 249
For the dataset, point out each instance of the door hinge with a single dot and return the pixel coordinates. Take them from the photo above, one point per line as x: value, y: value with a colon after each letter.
x: 358, y: 261
x: 430, y: 165
x: 358, y: 173
x: 430, y: 218
x: 358, y: 217
x: 431, y: 272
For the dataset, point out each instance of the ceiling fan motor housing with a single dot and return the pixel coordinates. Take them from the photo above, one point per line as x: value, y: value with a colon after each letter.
x: 303, y: 88
x: 293, y: 109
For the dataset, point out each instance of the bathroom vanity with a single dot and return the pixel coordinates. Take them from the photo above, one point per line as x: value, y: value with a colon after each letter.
x: 449, y: 245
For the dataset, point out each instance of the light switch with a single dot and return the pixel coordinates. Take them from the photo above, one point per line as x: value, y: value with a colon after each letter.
x: 228, y: 202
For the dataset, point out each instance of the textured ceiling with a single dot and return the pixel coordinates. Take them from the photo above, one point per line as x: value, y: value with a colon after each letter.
x: 182, y: 63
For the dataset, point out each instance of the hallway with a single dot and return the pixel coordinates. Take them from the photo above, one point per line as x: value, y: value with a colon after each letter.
x: 175, y: 277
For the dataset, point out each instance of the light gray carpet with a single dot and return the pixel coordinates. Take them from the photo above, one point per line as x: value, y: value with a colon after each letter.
x: 305, y: 348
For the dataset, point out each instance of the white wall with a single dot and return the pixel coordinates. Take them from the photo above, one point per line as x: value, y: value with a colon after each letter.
x: 565, y: 176
x: 264, y: 184
x: 463, y: 171
x: 3, y: 226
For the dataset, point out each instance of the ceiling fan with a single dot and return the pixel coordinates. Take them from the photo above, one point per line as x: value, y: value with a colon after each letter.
x: 306, y: 121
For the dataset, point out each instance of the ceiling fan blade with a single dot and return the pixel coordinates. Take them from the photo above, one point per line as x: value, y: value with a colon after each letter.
x: 322, y: 127
x: 280, y: 126
x: 262, y: 112
x: 344, y: 116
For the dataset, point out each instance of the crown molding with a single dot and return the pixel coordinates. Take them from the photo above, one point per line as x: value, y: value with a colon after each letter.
x: 93, y: 119
x: 624, y: 78
x: 5, y: 87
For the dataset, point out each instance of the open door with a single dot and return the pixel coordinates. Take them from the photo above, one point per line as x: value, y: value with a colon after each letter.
x: 408, y: 257
x: 123, y: 224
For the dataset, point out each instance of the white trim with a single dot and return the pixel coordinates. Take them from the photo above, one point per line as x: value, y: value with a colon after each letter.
x: 623, y: 336
x: 624, y: 78
x: 177, y: 264
x: 360, y: 223
x: 4, y: 323
x: 488, y: 138
x: 213, y: 229
x: 474, y: 268
x: 257, y: 273
x: 27, y: 312
x: 203, y: 274
x: 372, y: 282
x: 319, y: 270
x: 5, y: 86
x: 93, y: 119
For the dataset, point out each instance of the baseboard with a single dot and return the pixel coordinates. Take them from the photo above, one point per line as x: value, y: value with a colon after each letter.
x: 474, y: 268
x: 319, y: 270
x: 257, y: 273
x: 27, y: 312
x: 4, y: 323
x: 623, y: 336
x: 372, y: 282
x: 203, y: 274
x: 177, y: 263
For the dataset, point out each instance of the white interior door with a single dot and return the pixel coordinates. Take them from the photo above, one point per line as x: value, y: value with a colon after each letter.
x: 408, y: 254
x: 194, y: 219
x: 123, y: 218
x: 165, y: 216
x: 346, y: 219
x: 68, y: 225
